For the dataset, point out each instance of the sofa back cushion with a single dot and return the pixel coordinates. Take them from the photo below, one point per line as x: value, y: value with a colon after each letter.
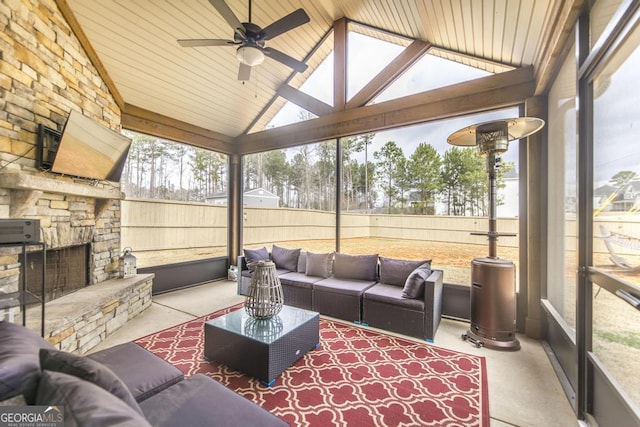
x: 286, y: 259
x: 357, y: 267
x: 396, y: 271
x: 302, y: 262
x: 254, y: 255
x: 84, y: 403
x: 88, y: 370
x: 319, y: 265
x: 19, y: 364
x: 414, y: 286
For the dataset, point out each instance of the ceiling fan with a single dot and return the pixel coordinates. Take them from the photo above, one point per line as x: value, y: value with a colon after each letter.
x: 250, y: 39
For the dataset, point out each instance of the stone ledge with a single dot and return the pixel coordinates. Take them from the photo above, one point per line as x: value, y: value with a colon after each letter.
x: 79, y: 321
x: 24, y: 181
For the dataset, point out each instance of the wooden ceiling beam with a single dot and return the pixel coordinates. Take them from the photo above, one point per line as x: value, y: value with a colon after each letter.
x: 389, y: 74
x: 500, y: 90
x: 144, y: 121
x: 339, y: 64
x: 551, y: 56
x: 303, y: 100
x: 88, y: 49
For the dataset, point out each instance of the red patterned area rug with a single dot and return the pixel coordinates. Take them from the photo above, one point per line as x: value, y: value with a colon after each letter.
x: 358, y: 377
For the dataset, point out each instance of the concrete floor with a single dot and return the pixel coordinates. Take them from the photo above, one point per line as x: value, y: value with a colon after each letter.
x: 523, y: 388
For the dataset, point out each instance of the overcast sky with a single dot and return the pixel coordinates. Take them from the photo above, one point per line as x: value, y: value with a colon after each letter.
x: 367, y: 57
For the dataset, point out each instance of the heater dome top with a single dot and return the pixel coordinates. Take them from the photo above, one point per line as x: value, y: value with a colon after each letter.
x: 516, y: 128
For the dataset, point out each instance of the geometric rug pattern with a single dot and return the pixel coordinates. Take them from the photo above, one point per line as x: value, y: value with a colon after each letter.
x: 357, y: 377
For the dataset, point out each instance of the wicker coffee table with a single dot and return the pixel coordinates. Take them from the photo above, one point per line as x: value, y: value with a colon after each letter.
x: 261, y: 348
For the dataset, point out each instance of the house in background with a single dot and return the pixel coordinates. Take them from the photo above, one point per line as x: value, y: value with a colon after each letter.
x: 256, y: 198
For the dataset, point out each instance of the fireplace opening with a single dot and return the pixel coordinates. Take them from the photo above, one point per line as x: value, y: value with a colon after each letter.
x: 67, y: 270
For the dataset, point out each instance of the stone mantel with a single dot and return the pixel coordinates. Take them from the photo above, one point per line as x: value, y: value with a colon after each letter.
x: 27, y: 188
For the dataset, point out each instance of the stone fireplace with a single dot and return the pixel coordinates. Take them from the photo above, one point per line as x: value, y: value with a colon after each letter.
x: 45, y: 73
x: 80, y: 226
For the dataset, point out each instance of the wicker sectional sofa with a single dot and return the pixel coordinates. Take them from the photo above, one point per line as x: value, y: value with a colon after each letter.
x: 402, y: 296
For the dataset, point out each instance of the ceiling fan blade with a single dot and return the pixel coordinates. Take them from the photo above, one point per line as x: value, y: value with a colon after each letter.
x: 284, y: 24
x: 205, y: 42
x: 244, y: 72
x: 225, y: 11
x: 285, y: 59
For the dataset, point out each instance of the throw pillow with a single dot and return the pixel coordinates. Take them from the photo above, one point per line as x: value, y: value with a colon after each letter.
x: 88, y: 370
x: 414, y: 286
x: 356, y: 267
x: 19, y: 366
x: 85, y: 404
x: 253, y: 255
x: 319, y: 265
x: 284, y: 258
x: 395, y: 271
x: 302, y: 262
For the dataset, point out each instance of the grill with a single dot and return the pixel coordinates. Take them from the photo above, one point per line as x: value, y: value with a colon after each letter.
x: 493, y: 285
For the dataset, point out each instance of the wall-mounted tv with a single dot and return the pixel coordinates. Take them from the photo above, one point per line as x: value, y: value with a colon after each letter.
x: 88, y: 149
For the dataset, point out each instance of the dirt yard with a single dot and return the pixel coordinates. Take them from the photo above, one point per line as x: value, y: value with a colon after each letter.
x: 454, y: 258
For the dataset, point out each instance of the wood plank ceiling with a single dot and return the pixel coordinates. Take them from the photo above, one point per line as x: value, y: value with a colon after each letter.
x: 135, y: 41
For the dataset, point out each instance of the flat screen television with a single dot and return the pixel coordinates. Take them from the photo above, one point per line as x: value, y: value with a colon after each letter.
x: 88, y: 149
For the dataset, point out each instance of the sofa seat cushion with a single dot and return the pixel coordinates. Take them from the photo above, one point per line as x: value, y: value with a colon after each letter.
x: 344, y: 287
x: 392, y: 294
x: 85, y: 404
x: 19, y: 362
x: 202, y: 401
x: 299, y: 279
x: 144, y: 378
x: 279, y: 271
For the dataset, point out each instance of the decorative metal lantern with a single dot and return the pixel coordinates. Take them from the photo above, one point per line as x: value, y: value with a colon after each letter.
x: 265, y: 298
x: 128, y: 266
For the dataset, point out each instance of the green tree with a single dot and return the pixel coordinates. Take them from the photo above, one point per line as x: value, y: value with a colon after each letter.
x: 621, y: 179
x: 324, y: 175
x: 387, y: 165
x: 424, y: 168
x: 276, y: 172
x: 300, y: 171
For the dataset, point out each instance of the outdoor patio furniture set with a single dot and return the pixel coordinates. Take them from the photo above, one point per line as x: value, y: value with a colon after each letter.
x: 403, y: 296
x: 122, y: 385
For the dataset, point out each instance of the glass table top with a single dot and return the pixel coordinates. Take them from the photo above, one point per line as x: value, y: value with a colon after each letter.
x: 264, y: 330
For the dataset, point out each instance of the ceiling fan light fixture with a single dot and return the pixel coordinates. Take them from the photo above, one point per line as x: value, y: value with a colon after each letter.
x: 250, y: 55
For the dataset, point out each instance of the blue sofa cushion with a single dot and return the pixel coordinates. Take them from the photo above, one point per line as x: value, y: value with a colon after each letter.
x: 85, y: 404
x: 396, y: 271
x: 357, y: 267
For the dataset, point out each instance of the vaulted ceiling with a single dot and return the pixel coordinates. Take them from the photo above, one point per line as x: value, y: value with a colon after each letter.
x: 196, y: 93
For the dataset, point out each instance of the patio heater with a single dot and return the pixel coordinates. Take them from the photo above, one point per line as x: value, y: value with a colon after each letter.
x: 493, y: 291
